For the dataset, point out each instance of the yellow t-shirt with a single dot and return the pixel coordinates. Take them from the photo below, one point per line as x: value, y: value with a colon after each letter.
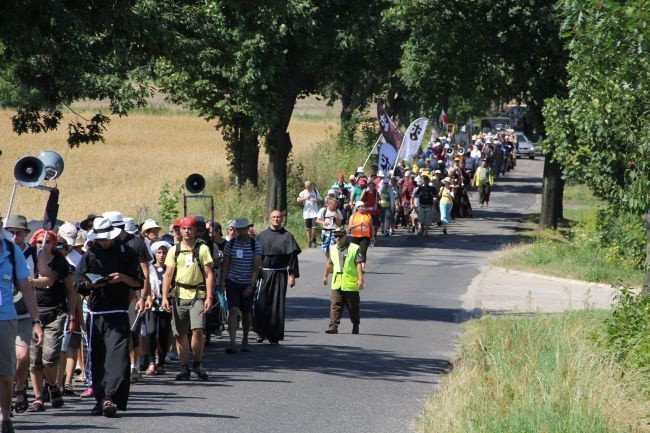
x: 187, y: 271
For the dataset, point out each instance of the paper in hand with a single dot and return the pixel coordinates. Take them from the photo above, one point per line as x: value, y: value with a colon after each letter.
x: 96, y: 278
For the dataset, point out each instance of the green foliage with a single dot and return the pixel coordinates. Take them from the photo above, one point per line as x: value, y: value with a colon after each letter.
x: 628, y: 330
x: 622, y: 236
x: 169, y: 203
x: 600, y: 133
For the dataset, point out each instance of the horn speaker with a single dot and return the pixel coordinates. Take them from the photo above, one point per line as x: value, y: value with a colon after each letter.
x: 52, y: 163
x: 29, y: 171
x: 195, y: 183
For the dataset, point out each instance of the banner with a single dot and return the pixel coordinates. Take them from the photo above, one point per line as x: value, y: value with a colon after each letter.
x: 389, y: 129
x: 387, y: 157
x: 443, y: 118
x: 413, y: 138
x: 435, y: 132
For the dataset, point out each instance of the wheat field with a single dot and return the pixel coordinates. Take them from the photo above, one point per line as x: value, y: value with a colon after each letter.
x: 125, y: 172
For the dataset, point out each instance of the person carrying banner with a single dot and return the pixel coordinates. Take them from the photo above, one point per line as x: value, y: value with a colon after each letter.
x: 279, y: 268
x: 346, y: 265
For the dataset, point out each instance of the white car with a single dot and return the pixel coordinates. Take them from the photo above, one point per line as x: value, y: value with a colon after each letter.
x: 524, y: 147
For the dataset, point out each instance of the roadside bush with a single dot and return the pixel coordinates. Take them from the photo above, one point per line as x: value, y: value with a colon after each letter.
x: 628, y: 330
x: 622, y: 236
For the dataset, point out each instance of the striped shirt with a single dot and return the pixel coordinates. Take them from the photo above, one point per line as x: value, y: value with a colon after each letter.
x: 241, y: 260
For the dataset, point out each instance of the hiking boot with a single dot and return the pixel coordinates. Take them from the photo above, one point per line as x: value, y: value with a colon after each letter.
x: 96, y: 410
x: 136, y: 376
x: 355, y: 329
x: 56, y: 398
x: 108, y: 408
x: 7, y: 426
x: 332, y: 330
x: 444, y: 230
x: 201, y: 373
x: 184, y: 374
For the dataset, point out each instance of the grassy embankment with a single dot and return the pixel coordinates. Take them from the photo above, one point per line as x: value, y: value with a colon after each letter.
x: 548, y: 373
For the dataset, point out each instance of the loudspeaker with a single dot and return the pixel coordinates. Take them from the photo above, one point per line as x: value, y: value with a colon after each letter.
x: 29, y: 171
x: 195, y: 183
x: 52, y: 162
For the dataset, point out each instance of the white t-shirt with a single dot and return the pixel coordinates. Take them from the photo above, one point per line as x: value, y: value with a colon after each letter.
x: 329, y: 217
x: 310, y: 202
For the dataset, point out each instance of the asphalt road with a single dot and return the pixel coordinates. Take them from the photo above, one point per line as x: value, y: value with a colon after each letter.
x: 314, y: 382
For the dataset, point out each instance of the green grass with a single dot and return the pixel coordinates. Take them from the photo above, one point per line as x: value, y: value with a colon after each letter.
x: 572, y: 251
x: 541, y: 373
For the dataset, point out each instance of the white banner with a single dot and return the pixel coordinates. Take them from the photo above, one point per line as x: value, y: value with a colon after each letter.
x: 387, y: 157
x: 413, y: 138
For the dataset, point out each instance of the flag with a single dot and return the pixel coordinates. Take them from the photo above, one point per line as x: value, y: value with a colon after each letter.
x: 413, y: 138
x: 389, y: 129
x: 387, y: 157
x: 443, y: 118
x: 377, y: 146
x: 435, y: 132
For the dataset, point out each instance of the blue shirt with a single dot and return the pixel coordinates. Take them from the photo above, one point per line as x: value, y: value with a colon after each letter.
x: 241, y: 260
x: 7, y: 310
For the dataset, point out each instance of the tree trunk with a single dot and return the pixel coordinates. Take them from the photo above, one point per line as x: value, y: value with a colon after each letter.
x: 251, y: 152
x: 278, y: 147
x: 552, y: 192
x: 646, y: 280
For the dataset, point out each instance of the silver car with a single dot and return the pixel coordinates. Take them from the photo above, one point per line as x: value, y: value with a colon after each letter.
x: 524, y: 147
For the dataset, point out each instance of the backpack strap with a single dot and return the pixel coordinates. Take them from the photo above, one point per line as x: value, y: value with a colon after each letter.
x: 12, y: 259
x: 195, y: 258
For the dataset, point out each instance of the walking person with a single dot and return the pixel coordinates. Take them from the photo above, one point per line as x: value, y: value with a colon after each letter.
x: 425, y: 195
x: 157, y: 321
x: 16, y: 225
x: 12, y: 264
x: 483, y: 180
x: 55, y: 296
x: 279, y: 268
x: 446, y: 196
x: 361, y: 229
x: 329, y: 217
x: 310, y: 199
x: 241, y: 262
x: 114, y: 268
x: 188, y: 279
x: 345, y: 264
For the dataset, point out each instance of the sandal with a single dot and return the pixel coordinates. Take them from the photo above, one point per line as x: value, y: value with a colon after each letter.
x: 68, y: 389
x: 56, y: 397
x: 22, y: 405
x: 37, y: 406
x: 260, y: 339
x: 151, y: 370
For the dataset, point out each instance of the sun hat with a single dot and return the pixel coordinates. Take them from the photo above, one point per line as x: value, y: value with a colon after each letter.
x: 176, y: 223
x: 115, y: 217
x: 149, y: 224
x: 359, y: 203
x: 16, y: 222
x: 87, y: 224
x: 103, y: 228
x: 158, y: 245
x: 231, y: 224
x: 359, y: 169
x: 187, y: 221
x: 129, y: 226
x: 68, y: 232
x: 242, y: 223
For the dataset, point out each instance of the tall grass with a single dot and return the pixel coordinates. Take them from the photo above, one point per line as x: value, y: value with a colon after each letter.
x: 574, y: 250
x: 536, y: 374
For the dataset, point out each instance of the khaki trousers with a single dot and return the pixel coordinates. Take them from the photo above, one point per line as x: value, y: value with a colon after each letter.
x: 340, y: 299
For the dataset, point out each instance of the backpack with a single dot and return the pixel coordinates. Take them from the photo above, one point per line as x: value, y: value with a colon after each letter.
x: 426, y: 195
x: 195, y: 258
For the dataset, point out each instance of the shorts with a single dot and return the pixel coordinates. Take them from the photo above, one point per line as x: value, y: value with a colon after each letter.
x: 49, y: 353
x: 310, y: 223
x: 236, y: 298
x: 71, y: 340
x: 24, y: 332
x: 187, y: 314
x: 8, y: 352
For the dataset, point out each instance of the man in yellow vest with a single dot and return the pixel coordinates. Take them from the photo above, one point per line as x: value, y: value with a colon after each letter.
x: 347, y: 279
x: 483, y: 180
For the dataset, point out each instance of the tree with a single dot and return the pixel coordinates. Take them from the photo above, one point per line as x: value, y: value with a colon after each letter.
x: 58, y: 52
x: 600, y: 132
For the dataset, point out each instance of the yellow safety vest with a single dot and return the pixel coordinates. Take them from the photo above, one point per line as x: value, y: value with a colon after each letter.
x: 345, y: 280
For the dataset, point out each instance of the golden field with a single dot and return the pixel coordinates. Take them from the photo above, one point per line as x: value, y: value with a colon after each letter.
x: 125, y: 172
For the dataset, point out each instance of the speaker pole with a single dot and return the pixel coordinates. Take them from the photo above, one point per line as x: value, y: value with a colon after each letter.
x: 11, y: 204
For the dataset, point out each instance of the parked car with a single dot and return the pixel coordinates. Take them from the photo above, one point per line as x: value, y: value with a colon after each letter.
x: 524, y: 147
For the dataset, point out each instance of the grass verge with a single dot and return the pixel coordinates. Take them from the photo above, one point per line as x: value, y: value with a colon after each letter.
x: 574, y: 250
x: 541, y: 373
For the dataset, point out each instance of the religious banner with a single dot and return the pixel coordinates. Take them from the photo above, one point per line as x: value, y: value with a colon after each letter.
x: 387, y: 157
x: 413, y: 138
x: 389, y: 129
